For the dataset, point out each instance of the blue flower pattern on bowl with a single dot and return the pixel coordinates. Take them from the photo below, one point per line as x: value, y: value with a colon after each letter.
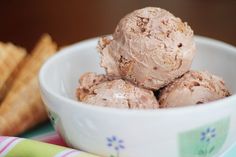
x: 208, y: 134
x: 204, y: 141
x: 116, y: 144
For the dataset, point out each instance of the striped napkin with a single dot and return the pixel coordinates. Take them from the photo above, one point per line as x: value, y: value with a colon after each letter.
x: 21, y: 147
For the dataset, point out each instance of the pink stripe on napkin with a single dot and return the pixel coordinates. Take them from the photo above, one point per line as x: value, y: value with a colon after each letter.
x: 7, y: 145
x: 71, y: 152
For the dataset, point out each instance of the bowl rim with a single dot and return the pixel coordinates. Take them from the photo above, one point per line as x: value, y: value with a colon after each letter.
x: 208, y: 106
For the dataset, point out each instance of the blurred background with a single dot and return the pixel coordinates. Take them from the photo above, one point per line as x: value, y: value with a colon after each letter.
x: 69, y: 21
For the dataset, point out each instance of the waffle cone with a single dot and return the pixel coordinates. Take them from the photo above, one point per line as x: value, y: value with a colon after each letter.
x: 23, y: 108
x: 10, y: 58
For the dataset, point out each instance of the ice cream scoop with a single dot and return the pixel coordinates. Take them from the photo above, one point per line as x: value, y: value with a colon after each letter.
x: 150, y: 47
x: 193, y: 88
x: 100, y: 90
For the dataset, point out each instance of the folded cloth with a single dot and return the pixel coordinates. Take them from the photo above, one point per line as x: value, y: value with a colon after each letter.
x: 21, y: 147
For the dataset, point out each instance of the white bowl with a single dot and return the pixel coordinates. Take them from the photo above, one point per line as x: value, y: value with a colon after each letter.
x: 195, y: 131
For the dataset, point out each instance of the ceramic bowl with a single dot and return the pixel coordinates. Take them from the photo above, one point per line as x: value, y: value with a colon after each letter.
x: 195, y: 131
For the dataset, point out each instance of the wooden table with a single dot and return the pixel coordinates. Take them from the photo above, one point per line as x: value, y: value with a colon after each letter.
x: 22, y: 22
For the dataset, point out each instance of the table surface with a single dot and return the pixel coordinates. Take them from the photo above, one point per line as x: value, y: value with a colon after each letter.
x: 22, y: 22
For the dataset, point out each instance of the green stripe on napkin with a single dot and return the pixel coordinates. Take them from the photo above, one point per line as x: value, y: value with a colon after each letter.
x: 19, y: 147
x: 30, y: 148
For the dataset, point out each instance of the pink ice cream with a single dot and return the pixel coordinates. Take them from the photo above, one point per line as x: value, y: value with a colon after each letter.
x: 193, y: 88
x: 103, y: 91
x: 150, y: 47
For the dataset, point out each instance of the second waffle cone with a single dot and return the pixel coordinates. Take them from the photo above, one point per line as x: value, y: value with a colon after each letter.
x: 23, y: 108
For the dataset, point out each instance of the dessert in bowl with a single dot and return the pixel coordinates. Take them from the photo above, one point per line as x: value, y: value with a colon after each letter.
x: 118, y: 114
x: 162, y: 132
